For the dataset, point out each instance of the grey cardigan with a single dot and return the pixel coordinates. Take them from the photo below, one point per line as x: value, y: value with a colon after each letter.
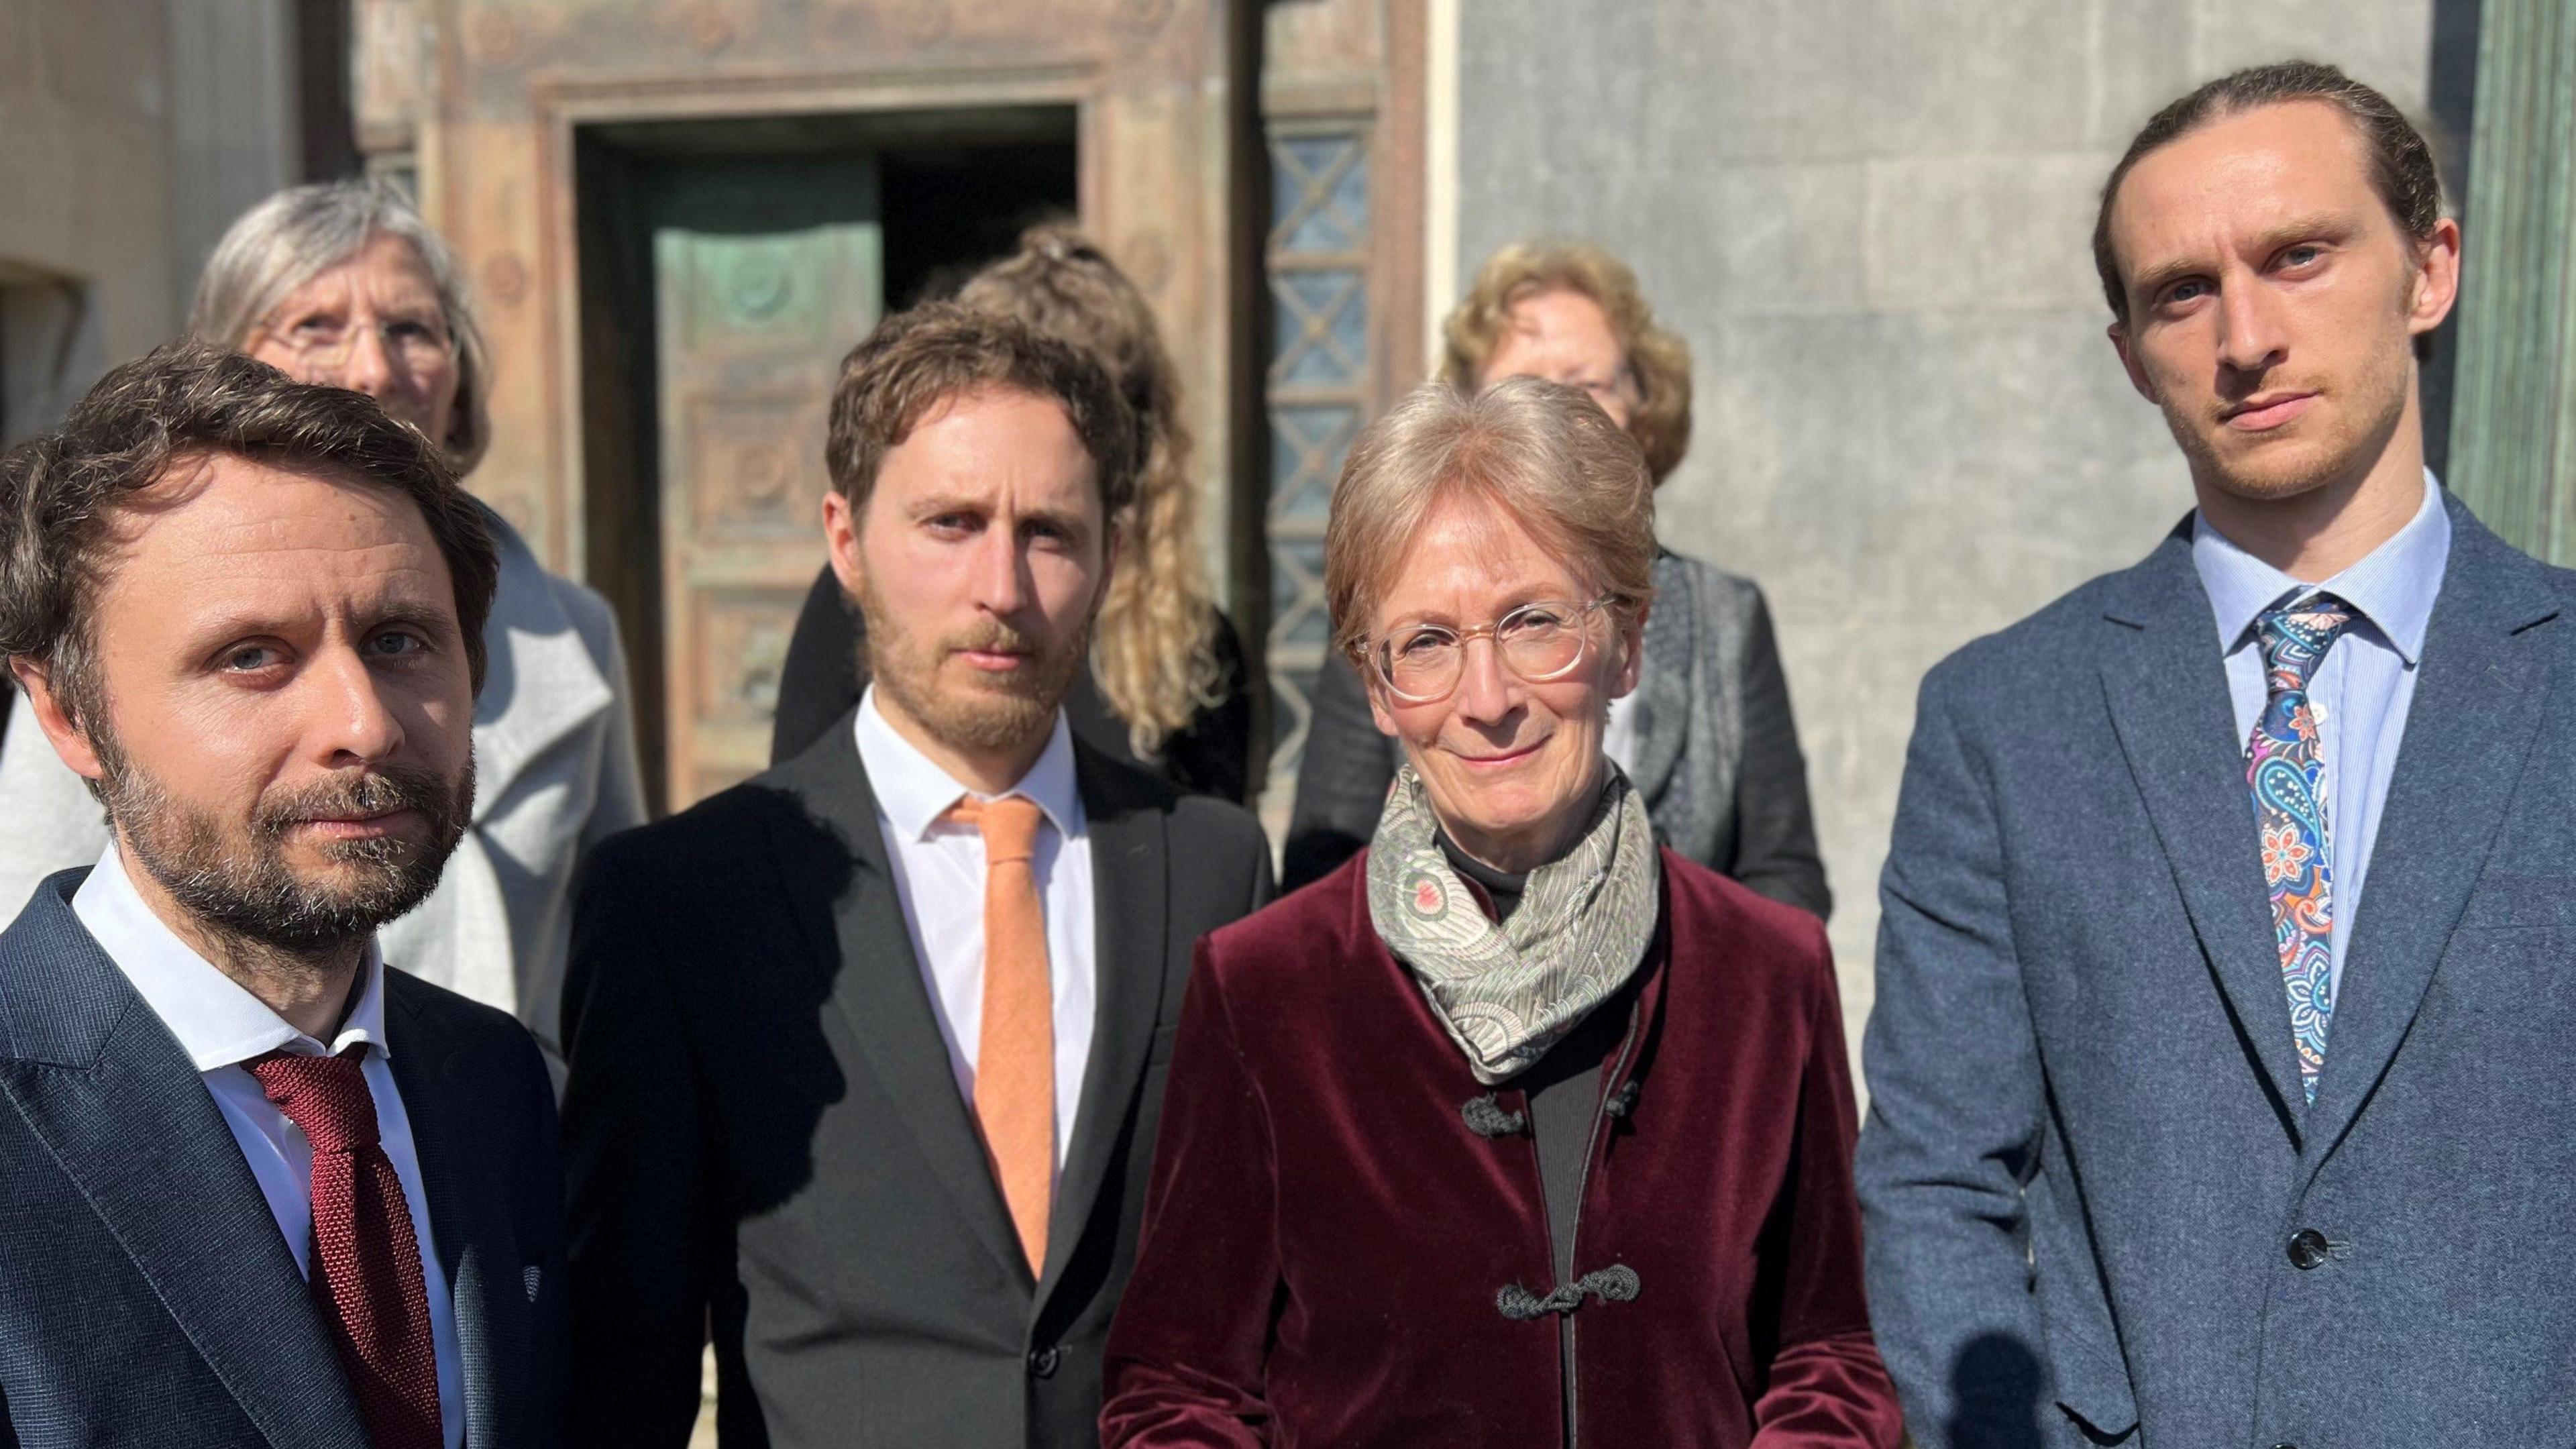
x: 1717, y: 754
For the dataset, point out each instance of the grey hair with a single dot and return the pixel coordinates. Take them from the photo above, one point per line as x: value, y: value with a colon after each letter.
x: 304, y: 231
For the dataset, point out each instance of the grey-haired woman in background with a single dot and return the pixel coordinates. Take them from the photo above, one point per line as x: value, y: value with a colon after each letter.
x: 343, y: 283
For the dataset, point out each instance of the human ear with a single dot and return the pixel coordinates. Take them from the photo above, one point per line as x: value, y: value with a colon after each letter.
x: 2119, y: 334
x: 841, y: 524
x: 69, y: 736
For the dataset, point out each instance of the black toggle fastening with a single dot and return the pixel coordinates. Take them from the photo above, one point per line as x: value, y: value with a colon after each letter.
x: 1615, y: 1284
x: 1486, y: 1117
x: 1623, y: 1101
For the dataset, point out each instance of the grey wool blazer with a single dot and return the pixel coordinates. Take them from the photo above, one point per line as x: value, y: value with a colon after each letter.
x: 1718, y: 760
x: 2099, y: 1208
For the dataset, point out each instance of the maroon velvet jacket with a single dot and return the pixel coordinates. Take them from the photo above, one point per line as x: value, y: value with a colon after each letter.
x: 1326, y: 1235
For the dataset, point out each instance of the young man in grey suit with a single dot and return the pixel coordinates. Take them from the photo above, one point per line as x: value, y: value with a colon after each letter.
x: 260, y: 1187
x: 868, y: 1052
x: 2218, y: 1072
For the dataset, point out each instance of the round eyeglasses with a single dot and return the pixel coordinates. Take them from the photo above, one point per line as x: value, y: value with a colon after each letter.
x: 325, y: 343
x: 1544, y: 640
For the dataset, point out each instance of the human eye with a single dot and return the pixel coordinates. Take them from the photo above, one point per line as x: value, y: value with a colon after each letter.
x: 1540, y: 618
x: 403, y: 643
x: 2188, y: 290
x: 2302, y: 257
x: 250, y: 658
x: 1421, y: 641
x: 952, y: 523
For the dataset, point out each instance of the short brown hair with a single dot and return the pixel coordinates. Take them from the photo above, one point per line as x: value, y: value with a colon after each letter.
x: 939, y: 351
x: 60, y: 491
x: 1539, y: 451
x: 1659, y: 360
x: 2402, y: 168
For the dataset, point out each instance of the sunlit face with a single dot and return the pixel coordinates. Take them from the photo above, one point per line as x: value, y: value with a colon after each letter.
x: 1565, y: 337
x: 372, y: 324
x: 1512, y: 767
x: 2273, y: 300
x: 286, y: 741
x: 978, y: 564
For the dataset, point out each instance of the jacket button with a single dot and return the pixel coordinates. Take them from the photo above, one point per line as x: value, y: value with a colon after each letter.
x: 2285, y: 1446
x: 1042, y: 1363
x: 2307, y: 1248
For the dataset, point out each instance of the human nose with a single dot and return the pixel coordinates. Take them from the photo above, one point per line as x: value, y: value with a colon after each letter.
x: 1001, y: 574
x: 1484, y: 692
x: 354, y: 722
x: 2250, y: 337
x: 366, y: 365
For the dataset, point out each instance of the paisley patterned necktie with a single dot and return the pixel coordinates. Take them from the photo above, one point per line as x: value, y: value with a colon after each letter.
x: 2287, y: 770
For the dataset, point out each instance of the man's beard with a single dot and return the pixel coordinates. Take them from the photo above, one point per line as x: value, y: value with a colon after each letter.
x: 235, y: 879
x: 993, y: 713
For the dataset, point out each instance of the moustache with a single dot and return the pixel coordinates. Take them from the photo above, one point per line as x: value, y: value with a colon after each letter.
x: 376, y: 792
x: 992, y: 636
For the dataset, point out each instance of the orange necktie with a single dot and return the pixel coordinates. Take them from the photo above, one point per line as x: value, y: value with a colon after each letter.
x: 1015, y: 1052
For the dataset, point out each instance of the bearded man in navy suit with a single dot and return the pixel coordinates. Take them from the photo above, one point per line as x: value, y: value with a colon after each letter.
x: 262, y: 1188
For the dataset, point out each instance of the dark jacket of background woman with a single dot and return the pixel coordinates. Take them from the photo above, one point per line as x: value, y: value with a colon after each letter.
x: 1332, y: 1238
x: 1718, y: 760
x: 820, y: 682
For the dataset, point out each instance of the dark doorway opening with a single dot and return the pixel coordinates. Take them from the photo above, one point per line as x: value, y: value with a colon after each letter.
x: 725, y: 266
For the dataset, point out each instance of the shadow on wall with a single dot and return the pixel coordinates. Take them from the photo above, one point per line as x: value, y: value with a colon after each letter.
x: 51, y: 349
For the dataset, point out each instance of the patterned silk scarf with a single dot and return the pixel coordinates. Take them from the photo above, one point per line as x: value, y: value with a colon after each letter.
x: 1507, y: 993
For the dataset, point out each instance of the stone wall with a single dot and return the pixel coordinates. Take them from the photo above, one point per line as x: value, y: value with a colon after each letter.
x: 131, y: 133
x: 1871, y: 218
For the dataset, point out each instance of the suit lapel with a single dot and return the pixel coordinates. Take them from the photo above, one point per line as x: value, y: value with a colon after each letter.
x: 1671, y: 643
x: 2476, y: 710
x: 1130, y: 868
x: 2167, y: 687
x: 853, y: 914
x: 124, y: 1112
x: 476, y: 1247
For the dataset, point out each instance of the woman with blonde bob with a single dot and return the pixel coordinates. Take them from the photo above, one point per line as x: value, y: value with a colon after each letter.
x: 1167, y: 687
x: 1517, y: 1126
x: 1707, y: 736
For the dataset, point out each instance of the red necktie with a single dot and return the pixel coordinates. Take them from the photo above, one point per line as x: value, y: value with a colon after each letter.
x: 366, y: 1263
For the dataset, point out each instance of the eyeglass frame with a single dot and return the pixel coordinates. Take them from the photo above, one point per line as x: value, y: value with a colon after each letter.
x: 445, y: 337
x: 1370, y: 652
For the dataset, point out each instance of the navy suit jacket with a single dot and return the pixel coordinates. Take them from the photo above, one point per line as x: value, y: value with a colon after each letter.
x: 146, y: 1297
x: 2098, y: 1206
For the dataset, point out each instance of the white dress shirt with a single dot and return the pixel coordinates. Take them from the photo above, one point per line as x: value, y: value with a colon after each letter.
x: 939, y: 872
x: 2361, y: 691
x: 221, y: 1026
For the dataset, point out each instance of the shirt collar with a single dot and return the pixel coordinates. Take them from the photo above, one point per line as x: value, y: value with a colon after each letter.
x: 2393, y: 586
x: 913, y: 791
x: 217, y: 1021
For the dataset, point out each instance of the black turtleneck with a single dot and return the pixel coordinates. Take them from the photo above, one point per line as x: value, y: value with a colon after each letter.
x: 1564, y: 1086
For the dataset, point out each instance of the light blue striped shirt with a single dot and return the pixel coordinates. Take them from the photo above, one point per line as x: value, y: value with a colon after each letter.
x: 2363, y: 689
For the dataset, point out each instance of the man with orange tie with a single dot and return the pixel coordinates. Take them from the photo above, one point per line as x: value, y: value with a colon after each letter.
x: 867, y: 1052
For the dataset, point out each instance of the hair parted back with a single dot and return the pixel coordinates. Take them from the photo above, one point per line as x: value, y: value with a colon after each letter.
x: 939, y: 351
x: 304, y: 231
x: 2402, y: 167
x: 60, y: 492
x: 1540, y: 451
x: 1154, y: 649
x: 1658, y: 360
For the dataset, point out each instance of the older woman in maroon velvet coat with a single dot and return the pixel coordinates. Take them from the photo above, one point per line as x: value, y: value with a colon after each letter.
x: 1517, y: 1129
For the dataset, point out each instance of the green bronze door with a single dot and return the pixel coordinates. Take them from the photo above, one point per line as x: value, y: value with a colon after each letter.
x: 764, y: 276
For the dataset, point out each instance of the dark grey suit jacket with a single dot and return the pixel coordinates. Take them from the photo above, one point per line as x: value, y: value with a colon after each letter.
x: 762, y: 1126
x: 1718, y: 761
x: 146, y: 1297
x: 2099, y: 1208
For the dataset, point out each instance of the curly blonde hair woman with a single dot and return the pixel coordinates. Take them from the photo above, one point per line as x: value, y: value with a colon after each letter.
x: 1167, y: 682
